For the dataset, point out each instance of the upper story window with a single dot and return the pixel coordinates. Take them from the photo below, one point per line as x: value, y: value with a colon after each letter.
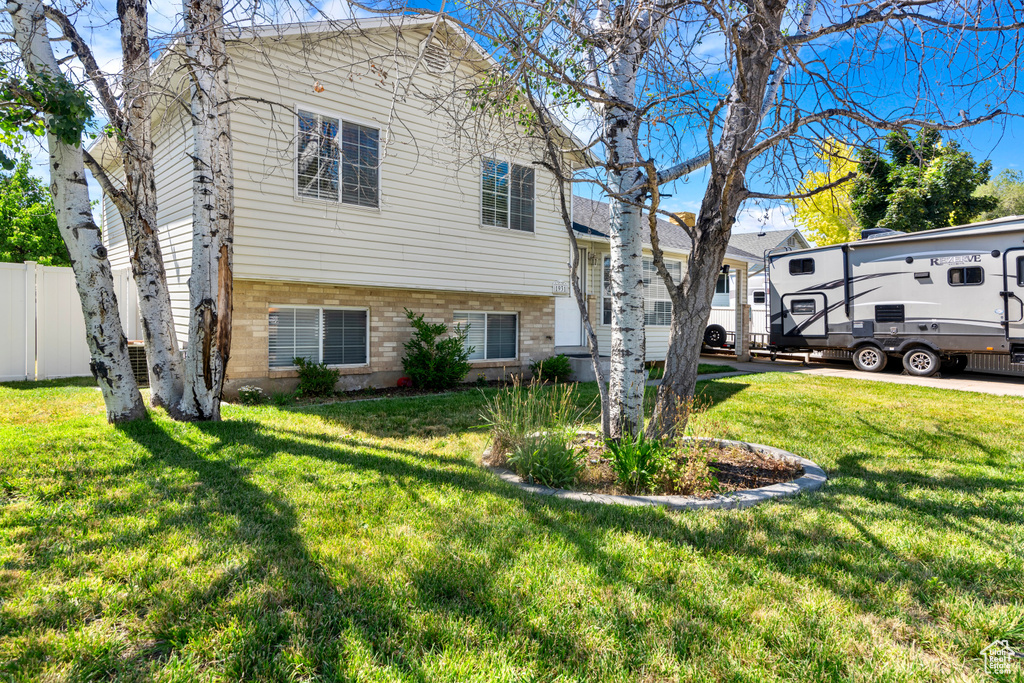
x: 801, y: 266
x: 507, y: 195
x: 657, y: 303
x: 967, y: 275
x: 337, y: 160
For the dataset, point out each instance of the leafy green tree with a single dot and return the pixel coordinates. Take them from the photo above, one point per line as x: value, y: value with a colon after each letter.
x: 28, y: 225
x: 1008, y: 189
x: 827, y: 217
x: 920, y: 183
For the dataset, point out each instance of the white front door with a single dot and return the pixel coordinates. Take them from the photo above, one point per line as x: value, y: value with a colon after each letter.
x: 568, y: 322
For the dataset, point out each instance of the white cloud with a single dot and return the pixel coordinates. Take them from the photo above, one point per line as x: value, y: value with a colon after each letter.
x: 757, y: 218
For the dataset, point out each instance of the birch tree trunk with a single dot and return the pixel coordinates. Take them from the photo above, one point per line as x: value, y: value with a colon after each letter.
x: 628, y: 340
x: 104, y: 334
x: 162, y: 354
x: 212, y: 209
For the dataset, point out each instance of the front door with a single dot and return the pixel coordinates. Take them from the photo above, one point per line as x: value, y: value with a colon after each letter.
x: 804, y: 315
x: 568, y: 322
x: 1013, y: 293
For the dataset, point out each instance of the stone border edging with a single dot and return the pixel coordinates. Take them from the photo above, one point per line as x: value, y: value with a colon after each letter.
x: 812, y: 479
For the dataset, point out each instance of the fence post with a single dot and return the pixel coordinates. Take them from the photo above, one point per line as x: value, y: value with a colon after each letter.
x: 30, y: 320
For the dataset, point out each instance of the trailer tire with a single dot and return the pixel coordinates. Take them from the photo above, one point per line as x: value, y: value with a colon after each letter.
x: 870, y: 358
x: 921, y: 362
x: 714, y: 336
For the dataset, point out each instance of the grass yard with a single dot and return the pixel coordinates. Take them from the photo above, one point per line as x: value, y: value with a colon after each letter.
x: 361, y: 541
x: 658, y: 371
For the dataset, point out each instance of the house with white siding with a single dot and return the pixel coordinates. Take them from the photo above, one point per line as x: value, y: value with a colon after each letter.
x: 358, y: 195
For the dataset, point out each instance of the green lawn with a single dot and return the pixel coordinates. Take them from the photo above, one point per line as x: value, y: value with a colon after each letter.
x: 361, y: 541
x: 658, y: 371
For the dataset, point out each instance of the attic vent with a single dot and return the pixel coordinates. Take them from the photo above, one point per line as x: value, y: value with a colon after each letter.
x: 436, y: 59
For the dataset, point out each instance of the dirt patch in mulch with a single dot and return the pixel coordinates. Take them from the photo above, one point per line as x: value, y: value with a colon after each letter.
x: 714, y: 470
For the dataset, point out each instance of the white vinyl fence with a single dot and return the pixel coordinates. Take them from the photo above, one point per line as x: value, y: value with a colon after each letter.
x: 42, y: 331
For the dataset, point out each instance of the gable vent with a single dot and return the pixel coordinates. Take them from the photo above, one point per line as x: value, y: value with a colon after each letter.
x: 435, y: 57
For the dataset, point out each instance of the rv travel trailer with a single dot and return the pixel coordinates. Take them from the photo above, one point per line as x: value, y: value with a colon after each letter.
x: 930, y: 297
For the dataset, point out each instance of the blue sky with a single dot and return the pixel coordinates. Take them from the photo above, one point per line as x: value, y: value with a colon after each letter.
x: 995, y: 140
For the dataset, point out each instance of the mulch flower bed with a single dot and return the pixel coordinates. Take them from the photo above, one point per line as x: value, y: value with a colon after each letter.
x: 719, y: 470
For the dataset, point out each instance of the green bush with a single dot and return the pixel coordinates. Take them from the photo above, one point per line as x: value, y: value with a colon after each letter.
x: 282, y: 399
x: 433, y: 361
x: 315, y: 379
x: 636, y: 461
x: 516, y: 412
x: 549, y: 459
x: 556, y: 368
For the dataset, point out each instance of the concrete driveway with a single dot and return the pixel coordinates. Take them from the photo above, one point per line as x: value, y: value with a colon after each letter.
x: 983, y: 384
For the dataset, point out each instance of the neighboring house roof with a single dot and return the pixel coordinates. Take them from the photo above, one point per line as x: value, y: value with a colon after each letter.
x: 590, y: 219
x: 759, y: 243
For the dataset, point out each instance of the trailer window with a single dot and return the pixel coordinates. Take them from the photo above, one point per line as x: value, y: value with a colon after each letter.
x: 890, y: 313
x: 760, y: 298
x: 802, y: 307
x: 801, y: 266
x: 972, y: 275
x: 1020, y: 271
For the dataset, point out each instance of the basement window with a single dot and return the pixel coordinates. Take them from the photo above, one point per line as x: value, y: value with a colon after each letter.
x: 334, y: 336
x: 966, y: 275
x: 492, y: 336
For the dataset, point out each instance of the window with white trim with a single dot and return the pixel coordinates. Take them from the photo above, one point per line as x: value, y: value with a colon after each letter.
x: 657, y: 302
x: 337, y: 160
x: 335, y: 336
x: 507, y: 195
x: 721, y: 298
x: 490, y: 336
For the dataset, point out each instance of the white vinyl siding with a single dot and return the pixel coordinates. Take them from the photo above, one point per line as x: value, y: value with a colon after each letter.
x: 323, y: 335
x: 491, y: 336
x: 507, y: 195
x: 657, y: 303
x: 330, y: 168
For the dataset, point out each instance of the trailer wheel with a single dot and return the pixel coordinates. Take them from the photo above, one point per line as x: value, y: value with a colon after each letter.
x: 870, y: 359
x: 714, y: 336
x: 921, y: 362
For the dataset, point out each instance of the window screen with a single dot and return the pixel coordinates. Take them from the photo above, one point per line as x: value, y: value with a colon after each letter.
x: 492, y: 336
x: 334, y: 337
x: 507, y: 195
x: 657, y: 303
x: 337, y: 160
x: 760, y: 297
x: 802, y: 307
x: 889, y: 313
x: 344, y: 340
x: 801, y: 266
x: 966, y: 275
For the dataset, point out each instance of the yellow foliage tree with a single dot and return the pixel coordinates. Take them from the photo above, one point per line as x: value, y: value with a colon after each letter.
x: 827, y: 217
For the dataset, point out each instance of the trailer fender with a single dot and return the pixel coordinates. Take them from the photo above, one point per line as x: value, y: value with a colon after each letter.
x: 908, y: 344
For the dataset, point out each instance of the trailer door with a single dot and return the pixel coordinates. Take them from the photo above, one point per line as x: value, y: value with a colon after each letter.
x: 1013, y: 293
x: 804, y: 315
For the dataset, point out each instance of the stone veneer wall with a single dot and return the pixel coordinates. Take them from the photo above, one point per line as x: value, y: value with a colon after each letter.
x: 389, y: 329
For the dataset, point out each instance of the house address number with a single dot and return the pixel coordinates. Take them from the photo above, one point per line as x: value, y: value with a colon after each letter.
x: 559, y: 287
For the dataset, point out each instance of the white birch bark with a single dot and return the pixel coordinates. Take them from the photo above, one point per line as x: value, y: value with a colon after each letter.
x: 140, y: 220
x: 209, y: 283
x: 107, y: 344
x: 628, y: 340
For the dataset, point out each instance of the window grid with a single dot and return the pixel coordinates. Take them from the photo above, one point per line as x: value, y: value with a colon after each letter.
x: 334, y: 336
x: 507, y: 195
x: 493, y: 336
x: 337, y: 160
